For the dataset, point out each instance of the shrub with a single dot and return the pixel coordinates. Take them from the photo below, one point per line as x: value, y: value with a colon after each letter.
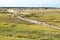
x: 13, y: 25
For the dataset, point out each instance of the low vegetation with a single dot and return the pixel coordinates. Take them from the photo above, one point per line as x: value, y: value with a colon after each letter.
x: 17, y: 29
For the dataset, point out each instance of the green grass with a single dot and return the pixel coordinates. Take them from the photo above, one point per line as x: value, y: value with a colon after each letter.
x: 33, y: 32
x: 17, y: 29
x: 13, y: 38
x: 50, y: 17
x: 8, y: 19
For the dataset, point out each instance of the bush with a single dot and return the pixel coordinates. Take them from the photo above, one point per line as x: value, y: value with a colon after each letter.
x: 13, y: 25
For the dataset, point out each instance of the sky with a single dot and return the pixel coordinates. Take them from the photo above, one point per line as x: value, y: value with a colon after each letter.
x: 29, y: 3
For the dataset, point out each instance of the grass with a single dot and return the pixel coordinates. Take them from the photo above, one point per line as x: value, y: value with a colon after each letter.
x: 33, y: 32
x: 50, y: 17
x: 17, y: 29
x: 13, y: 38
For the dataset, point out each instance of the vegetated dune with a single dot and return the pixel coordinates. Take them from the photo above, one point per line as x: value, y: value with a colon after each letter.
x: 17, y: 29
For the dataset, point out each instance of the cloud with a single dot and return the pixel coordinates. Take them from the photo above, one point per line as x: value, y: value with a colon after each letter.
x: 29, y: 3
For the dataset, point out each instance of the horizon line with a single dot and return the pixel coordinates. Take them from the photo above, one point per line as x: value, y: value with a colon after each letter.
x: 41, y: 7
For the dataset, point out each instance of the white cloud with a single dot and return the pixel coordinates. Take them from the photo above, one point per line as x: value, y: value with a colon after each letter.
x: 29, y: 2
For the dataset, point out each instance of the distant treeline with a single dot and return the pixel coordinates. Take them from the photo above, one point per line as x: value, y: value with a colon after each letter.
x: 32, y: 7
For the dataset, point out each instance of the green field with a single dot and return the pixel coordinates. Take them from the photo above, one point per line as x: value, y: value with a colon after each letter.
x: 50, y: 17
x: 17, y: 29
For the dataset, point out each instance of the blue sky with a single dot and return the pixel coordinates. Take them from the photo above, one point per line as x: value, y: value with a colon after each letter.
x: 29, y: 3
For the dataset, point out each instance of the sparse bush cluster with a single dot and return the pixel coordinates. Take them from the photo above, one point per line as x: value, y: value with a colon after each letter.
x: 13, y: 25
